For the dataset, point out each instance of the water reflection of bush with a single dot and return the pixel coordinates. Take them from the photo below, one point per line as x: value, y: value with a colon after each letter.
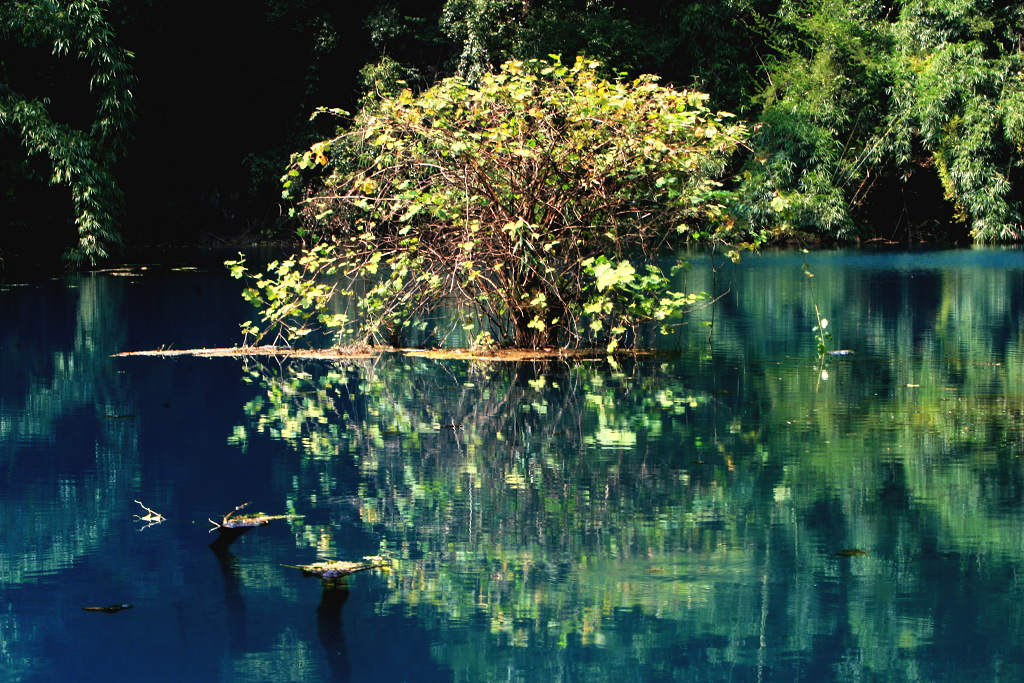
x: 539, y: 465
x: 572, y: 493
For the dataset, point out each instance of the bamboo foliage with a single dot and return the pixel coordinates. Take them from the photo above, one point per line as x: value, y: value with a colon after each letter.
x: 865, y: 104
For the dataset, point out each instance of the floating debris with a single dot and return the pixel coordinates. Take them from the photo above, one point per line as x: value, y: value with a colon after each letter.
x: 230, y: 521
x: 151, y: 518
x: 231, y: 526
x: 851, y: 552
x: 841, y: 352
x: 108, y: 609
x: 124, y: 271
x: 336, y: 570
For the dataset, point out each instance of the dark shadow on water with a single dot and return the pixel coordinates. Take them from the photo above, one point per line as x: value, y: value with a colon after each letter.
x: 225, y: 537
x: 234, y: 602
x: 331, y: 632
x: 330, y: 628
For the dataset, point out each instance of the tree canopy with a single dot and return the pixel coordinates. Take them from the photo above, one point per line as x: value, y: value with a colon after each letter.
x: 79, y: 154
x: 893, y: 121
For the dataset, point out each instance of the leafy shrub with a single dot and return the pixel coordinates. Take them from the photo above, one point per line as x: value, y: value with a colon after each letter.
x: 535, y: 203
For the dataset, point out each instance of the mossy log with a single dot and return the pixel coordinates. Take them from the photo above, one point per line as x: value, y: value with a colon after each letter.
x: 333, y: 571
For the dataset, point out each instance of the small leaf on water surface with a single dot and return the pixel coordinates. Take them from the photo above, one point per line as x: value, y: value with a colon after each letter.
x: 850, y: 552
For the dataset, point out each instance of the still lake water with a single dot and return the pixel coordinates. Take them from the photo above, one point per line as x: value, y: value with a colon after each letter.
x: 672, y: 519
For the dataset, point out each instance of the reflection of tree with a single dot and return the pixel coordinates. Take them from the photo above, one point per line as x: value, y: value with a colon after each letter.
x: 16, y: 665
x: 632, y: 508
x: 331, y: 633
x: 65, y: 400
x: 551, y: 506
x: 233, y: 600
x: 70, y: 457
x: 911, y: 448
x: 938, y: 365
x: 290, y: 658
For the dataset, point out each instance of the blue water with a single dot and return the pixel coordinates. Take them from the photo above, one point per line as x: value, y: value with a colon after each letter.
x: 669, y: 518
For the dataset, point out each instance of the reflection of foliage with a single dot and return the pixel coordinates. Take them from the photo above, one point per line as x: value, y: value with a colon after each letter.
x: 15, y: 664
x: 290, y: 659
x: 673, y: 491
x: 577, y: 478
x: 55, y: 406
x: 36, y: 396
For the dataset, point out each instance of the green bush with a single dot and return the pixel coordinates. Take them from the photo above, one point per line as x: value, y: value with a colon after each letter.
x: 535, y: 204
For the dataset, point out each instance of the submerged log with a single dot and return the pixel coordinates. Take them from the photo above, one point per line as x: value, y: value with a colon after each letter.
x: 231, y: 526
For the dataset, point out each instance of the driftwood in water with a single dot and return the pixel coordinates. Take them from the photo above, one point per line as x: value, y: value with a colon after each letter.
x: 231, y: 526
x: 357, y: 352
x: 335, y: 571
x: 151, y: 518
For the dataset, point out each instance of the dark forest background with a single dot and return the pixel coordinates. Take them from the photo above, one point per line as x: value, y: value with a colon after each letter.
x: 899, y: 122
